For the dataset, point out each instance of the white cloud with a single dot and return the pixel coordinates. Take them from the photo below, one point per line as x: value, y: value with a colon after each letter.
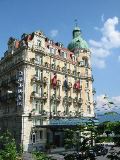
x: 53, y: 33
x: 109, y: 40
x: 104, y: 104
x: 99, y: 63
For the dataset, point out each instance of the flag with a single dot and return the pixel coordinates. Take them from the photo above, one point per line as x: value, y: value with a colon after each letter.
x: 65, y: 84
x: 54, y: 81
x: 77, y: 85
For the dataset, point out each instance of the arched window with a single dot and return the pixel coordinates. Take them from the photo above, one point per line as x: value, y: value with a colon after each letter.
x: 85, y: 60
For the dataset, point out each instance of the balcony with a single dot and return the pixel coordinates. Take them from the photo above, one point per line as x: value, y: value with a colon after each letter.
x: 75, y: 100
x: 40, y: 49
x: 43, y: 113
x: 35, y: 95
x: 56, y: 98
x: 34, y: 113
x: 36, y: 79
x: 45, y: 95
x: 67, y: 99
x: 80, y: 101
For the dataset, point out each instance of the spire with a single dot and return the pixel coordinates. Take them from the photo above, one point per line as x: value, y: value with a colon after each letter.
x: 76, y: 22
x: 76, y: 30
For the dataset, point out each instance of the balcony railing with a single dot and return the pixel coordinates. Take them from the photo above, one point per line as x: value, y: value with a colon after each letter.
x: 56, y: 98
x: 38, y: 79
x: 38, y: 96
x: 80, y: 101
x: 67, y: 99
x: 38, y: 49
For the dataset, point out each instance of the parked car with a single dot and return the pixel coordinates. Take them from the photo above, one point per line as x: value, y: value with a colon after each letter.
x: 73, y: 156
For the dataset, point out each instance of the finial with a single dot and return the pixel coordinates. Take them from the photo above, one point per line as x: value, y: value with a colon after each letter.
x: 76, y: 22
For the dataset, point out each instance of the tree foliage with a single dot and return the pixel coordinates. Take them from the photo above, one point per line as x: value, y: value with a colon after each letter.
x: 8, y: 147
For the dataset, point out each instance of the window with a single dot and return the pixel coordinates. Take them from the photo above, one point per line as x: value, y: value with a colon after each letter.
x: 88, y: 96
x: 38, y: 59
x: 39, y: 73
x: 88, y: 109
x: 54, y: 107
x: 65, y: 67
x: 81, y: 63
x: 33, y: 138
x: 65, y: 55
x: 66, y: 110
x: 86, y: 72
x: 52, y: 51
x: 41, y: 134
x: 41, y: 91
x: 53, y: 64
x: 38, y: 43
x: 34, y: 87
x: 87, y: 84
x: 85, y: 59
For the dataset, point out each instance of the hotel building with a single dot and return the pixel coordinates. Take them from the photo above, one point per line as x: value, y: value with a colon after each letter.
x: 42, y: 81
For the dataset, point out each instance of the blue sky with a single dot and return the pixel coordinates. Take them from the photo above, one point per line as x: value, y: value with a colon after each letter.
x: 98, y: 20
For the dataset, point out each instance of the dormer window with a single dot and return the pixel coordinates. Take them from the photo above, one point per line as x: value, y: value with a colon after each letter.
x: 65, y: 55
x: 52, y: 50
x: 73, y: 58
x: 38, y: 43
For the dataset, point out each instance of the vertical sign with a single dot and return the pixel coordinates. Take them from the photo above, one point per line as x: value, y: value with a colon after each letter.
x: 20, y: 89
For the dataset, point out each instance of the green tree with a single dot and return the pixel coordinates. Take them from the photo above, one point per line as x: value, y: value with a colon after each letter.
x: 8, y: 148
x: 41, y: 156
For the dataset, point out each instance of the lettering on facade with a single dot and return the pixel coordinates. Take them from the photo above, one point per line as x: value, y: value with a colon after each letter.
x: 20, y: 89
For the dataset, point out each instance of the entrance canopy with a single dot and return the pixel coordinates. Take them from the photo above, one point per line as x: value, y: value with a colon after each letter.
x: 73, y: 121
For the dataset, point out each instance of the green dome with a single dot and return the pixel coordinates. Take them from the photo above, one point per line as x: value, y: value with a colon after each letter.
x: 77, y: 42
